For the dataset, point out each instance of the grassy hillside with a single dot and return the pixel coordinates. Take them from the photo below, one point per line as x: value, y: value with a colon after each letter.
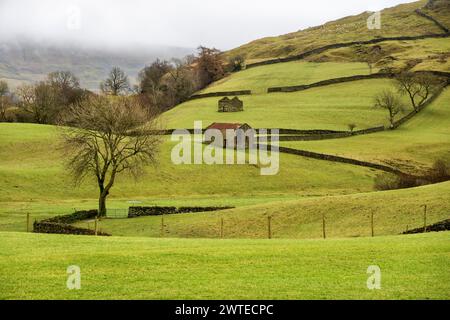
x: 331, y: 107
x: 35, y: 170
x: 346, y: 216
x: 34, y: 267
x: 397, y: 21
x: 439, y: 9
x: 426, y: 54
x: 31, y: 166
x: 285, y: 74
x: 33, y: 179
x: 404, y: 147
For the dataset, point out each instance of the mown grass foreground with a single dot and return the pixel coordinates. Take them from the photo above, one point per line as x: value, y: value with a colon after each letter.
x: 34, y: 267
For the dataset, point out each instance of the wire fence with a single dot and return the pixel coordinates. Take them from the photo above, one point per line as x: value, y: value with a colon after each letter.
x: 117, y: 213
x: 262, y: 225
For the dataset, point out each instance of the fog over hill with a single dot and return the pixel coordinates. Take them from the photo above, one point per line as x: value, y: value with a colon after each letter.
x: 24, y: 60
x: 89, y: 37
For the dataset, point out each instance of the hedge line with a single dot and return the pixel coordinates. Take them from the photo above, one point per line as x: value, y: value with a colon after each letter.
x: 62, y: 224
x: 134, y: 212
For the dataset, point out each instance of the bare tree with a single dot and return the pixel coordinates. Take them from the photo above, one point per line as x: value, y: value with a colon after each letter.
x: 63, y: 79
x: 4, y: 90
x: 369, y: 55
x: 152, y: 83
x: 181, y: 82
x: 66, y: 87
x: 108, y: 137
x: 4, y: 101
x: 117, y: 83
x: 352, y: 127
x: 389, y: 101
x: 39, y: 101
x: 418, y: 86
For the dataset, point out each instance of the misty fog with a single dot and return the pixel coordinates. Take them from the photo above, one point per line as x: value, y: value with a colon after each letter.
x: 180, y: 23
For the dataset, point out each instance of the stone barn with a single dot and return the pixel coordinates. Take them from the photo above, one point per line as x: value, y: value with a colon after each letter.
x: 231, y: 105
x: 223, y: 127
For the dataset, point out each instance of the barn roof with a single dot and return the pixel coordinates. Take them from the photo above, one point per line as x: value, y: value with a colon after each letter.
x: 225, y: 126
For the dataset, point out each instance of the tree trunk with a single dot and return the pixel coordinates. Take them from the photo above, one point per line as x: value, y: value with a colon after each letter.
x: 102, y: 205
x: 413, y: 102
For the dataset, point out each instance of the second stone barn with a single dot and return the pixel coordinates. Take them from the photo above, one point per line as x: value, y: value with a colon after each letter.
x: 231, y: 105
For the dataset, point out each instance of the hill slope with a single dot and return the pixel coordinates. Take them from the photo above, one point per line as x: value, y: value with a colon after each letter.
x: 34, y: 180
x: 403, y: 147
x: 346, y: 216
x: 331, y: 107
x: 397, y: 21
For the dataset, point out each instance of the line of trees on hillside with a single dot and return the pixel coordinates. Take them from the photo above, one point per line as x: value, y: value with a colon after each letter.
x: 161, y: 86
x: 117, y: 124
x: 418, y: 87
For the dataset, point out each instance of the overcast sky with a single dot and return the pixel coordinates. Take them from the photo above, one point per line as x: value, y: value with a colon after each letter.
x: 187, y: 23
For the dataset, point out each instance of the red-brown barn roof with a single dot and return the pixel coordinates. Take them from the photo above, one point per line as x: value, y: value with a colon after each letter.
x: 223, y: 127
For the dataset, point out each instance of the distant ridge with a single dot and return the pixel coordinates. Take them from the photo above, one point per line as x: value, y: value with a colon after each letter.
x: 27, y: 61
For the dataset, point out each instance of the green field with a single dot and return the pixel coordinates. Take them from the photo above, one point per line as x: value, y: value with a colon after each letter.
x: 301, y: 218
x: 404, y: 147
x: 412, y: 267
x: 34, y: 180
x: 285, y: 74
x: 427, y: 54
x: 183, y: 256
x: 331, y: 107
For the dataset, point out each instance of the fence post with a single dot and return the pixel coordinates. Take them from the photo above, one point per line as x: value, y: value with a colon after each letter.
x: 162, y: 226
x: 221, y: 228
x: 269, y: 224
x: 28, y: 222
x: 96, y: 226
x: 371, y: 224
x: 425, y: 218
x: 323, y: 226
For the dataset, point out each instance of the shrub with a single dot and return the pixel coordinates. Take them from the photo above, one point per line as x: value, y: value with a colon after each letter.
x: 440, y: 171
x: 352, y: 127
x: 388, y: 181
